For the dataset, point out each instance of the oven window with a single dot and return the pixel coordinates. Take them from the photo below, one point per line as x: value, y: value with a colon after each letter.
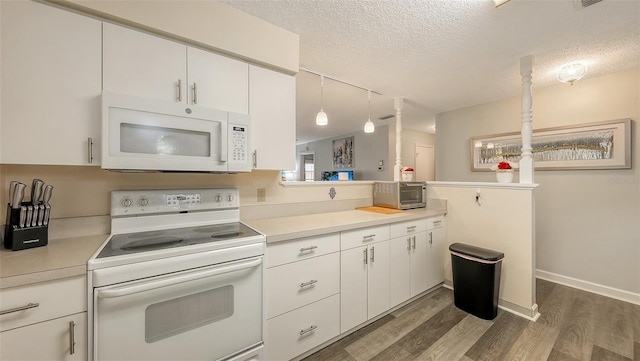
x: 145, y: 139
x: 179, y: 315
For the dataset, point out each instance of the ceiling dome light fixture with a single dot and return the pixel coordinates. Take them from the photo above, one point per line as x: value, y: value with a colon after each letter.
x: 571, y: 73
x: 321, y: 118
x: 369, y: 127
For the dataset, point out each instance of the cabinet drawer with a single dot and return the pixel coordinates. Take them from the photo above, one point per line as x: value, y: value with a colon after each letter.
x: 435, y: 222
x: 297, y: 284
x: 409, y: 227
x: 298, y: 331
x: 287, y: 252
x: 49, y: 340
x: 363, y: 236
x: 55, y: 299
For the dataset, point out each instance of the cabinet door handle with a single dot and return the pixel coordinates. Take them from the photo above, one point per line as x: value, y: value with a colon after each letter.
x: 179, y: 90
x: 72, y: 337
x: 21, y: 308
x: 307, y: 330
x: 255, y: 159
x: 430, y: 237
x: 90, y: 150
x: 409, y: 243
x: 195, y: 93
x: 373, y: 254
x: 414, y: 242
x: 306, y: 249
x: 364, y: 253
x: 308, y: 283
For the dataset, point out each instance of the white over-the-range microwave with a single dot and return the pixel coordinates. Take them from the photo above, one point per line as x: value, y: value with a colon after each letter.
x: 141, y: 134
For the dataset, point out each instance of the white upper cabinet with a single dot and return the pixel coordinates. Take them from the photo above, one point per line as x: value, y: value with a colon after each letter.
x: 50, y: 88
x: 148, y: 66
x: 217, y: 82
x: 272, y: 106
x: 140, y: 64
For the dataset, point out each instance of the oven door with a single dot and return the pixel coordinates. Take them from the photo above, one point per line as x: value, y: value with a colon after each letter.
x: 210, y: 313
x: 411, y: 195
x: 145, y: 134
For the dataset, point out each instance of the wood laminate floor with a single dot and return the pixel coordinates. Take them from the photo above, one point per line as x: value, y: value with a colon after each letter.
x: 574, y: 326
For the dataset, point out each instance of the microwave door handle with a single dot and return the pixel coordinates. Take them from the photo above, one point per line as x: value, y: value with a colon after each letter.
x: 125, y: 291
x: 223, y: 145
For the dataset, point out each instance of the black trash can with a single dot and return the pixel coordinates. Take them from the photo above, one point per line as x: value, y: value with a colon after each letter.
x: 476, y: 279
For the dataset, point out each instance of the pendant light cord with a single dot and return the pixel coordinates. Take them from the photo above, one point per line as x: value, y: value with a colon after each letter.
x: 321, y: 91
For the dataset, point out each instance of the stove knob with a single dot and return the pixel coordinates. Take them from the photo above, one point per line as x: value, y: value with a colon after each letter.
x: 143, y: 202
x: 126, y: 202
x: 218, y: 198
x: 230, y: 197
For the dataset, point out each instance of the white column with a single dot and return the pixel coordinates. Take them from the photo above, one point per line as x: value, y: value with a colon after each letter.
x: 398, y: 104
x: 526, y: 162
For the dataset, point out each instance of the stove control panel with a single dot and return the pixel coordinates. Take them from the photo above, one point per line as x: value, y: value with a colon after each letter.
x: 135, y: 202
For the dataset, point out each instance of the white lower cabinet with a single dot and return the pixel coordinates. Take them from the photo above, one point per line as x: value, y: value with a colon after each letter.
x: 62, y: 338
x: 302, y: 329
x: 408, y: 267
x: 44, y: 321
x: 435, y: 252
x: 364, y: 283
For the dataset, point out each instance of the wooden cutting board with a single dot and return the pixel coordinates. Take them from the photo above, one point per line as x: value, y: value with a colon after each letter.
x: 380, y: 210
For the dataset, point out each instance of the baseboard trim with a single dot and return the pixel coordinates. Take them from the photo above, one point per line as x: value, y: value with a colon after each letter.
x: 607, y: 291
x: 524, y: 312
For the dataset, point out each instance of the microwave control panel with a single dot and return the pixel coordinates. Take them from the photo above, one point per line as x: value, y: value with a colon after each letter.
x: 239, y: 143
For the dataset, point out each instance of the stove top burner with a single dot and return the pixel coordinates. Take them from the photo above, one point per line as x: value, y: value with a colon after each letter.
x: 131, y: 243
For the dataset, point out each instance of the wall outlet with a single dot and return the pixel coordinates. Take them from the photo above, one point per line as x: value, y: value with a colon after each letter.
x: 262, y: 195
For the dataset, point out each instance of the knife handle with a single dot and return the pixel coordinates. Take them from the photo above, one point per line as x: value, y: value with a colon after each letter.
x: 47, y: 214
x: 36, y: 191
x: 40, y: 215
x: 23, y: 216
x: 48, y: 190
x: 29, y: 215
x: 18, y: 195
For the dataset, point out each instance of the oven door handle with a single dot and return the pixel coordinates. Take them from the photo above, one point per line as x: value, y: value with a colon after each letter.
x: 125, y: 291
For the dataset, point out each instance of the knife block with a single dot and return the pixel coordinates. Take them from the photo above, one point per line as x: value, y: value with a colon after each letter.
x: 16, y: 238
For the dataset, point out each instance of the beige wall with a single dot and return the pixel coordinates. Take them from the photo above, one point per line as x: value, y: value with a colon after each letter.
x: 587, y: 221
x: 206, y: 23
x: 504, y: 223
x: 409, y: 140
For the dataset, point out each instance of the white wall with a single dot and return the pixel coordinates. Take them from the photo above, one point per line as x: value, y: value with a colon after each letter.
x: 587, y: 221
x: 410, y: 138
x: 503, y: 222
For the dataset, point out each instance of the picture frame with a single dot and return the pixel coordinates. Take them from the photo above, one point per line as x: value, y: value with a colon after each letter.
x: 601, y: 145
x: 343, y: 153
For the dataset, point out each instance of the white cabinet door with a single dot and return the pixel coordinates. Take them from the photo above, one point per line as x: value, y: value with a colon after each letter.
x: 217, y: 82
x: 272, y: 106
x: 353, y: 287
x: 51, y: 61
x: 50, y: 340
x: 399, y: 270
x: 378, y: 279
x: 419, y: 263
x: 143, y: 65
x: 436, y: 253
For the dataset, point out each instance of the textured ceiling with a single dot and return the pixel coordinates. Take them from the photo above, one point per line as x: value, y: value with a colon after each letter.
x: 440, y: 55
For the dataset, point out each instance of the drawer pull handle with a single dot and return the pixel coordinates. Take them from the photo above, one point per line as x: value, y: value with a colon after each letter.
x: 307, y: 330
x: 437, y: 223
x: 21, y: 308
x: 411, y: 228
x: 72, y: 337
x: 309, y: 283
x: 306, y: 249
x: 368, y: 237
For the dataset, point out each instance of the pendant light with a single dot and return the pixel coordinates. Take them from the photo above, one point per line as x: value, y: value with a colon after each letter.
x: 321, y: 118
x: 368, y: 126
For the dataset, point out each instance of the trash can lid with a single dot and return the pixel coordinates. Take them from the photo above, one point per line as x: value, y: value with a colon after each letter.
x: 476, y: 252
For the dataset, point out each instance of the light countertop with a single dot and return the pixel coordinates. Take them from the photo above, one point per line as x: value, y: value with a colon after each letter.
x: 61, y: 258
x: 286, y: 228
x: 67, y: 257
